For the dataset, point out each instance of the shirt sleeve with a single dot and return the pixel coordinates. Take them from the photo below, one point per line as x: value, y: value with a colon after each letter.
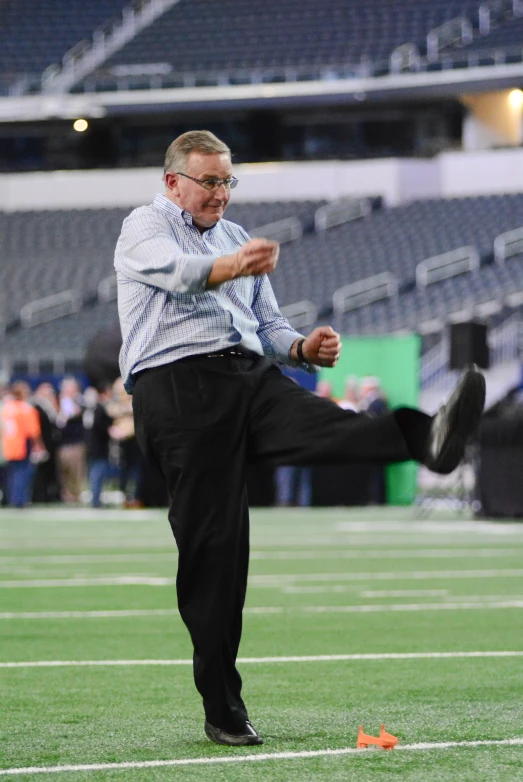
x: 148, y: 252
x: 275, y: 332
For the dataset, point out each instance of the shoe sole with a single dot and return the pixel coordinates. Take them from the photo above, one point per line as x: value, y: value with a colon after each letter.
x: 467, y: 416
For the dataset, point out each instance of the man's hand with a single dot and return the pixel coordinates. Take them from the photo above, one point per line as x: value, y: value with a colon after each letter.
x: 322, y: 347
x: 259, y: 256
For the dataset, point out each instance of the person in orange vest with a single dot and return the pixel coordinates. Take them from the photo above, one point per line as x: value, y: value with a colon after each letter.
x: 21, y: 440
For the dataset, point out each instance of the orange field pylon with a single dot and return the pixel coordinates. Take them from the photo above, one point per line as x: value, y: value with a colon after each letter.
x: 384, y: 740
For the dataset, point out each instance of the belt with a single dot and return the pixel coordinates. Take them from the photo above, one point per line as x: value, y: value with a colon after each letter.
x: 241, y: 352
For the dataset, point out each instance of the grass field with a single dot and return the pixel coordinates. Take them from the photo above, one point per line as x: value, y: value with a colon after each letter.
x: 359, y: 588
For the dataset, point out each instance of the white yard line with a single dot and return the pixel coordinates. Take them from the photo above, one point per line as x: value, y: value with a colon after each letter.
x: 356, y: 552
x: 369, y: 593
x: 266, y: 581
x: 468, y: 603
x: 268, y: 660
x: 70, y: 515
x: 95, y: 559
x: 437, y: 527
x: 109, y: 614
x: 256, y: 757
x: 90, y: 581
x: 22, y: 560
x: 278, y: 579
x: 371, y: 609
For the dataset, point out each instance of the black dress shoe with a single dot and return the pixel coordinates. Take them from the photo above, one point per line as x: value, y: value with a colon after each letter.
x: 454, y: 423
x: 245, y: 737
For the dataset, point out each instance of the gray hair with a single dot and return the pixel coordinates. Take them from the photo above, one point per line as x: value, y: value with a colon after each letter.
x: 202, y: 141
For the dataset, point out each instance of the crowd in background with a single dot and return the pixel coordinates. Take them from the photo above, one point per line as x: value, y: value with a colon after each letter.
x: 294, y: 484
x: 56, y: 445
x: 68, y: 445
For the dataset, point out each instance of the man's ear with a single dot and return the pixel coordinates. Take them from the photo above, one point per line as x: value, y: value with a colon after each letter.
x: 171, y: 182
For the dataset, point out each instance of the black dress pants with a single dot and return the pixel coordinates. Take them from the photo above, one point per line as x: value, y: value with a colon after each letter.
x: 200, y: 420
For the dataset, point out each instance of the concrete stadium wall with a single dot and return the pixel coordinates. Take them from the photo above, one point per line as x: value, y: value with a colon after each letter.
x: 451, y: 174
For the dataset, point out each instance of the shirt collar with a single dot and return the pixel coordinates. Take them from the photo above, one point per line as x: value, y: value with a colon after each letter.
x: 166, y: 205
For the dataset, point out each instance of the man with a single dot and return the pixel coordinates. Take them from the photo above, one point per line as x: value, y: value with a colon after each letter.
x: 97, y: 423
x: 21, y: 439
x: 45, y: 485
x: 373, y: 402
x: 70, y: 457
x: 200, y: 324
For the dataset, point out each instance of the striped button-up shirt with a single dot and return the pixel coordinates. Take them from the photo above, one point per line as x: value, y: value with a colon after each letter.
x: 167, y: 313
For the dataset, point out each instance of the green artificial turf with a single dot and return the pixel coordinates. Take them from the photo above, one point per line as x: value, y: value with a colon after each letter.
x: 301, y: 560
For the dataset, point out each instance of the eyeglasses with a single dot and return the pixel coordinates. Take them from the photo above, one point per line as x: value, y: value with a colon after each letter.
x: 213, y: 184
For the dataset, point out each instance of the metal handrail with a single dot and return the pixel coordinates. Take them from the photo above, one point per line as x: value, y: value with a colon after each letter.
x: 405, y: 58
x: 508, y: 244
x: 458, y: 30
x: 449, y: 264
x: 107, y: 288
x: 358, y: 294
x: 301, y: 314
x: 342, y: 211
x: 286, y: 230
x: 51, y: 307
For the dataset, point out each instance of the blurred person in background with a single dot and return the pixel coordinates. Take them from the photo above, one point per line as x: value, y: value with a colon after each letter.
x: 97, y: 424
x: 45, y: 484
x: 374, y: 403
x: 351, y: 397
x: 324, y: 389
x: 293, y: 485
x: 71, y: 456
x: 372, y: 397
x: 21, y: 440
x: 130, y: 457
x: 4, y: 392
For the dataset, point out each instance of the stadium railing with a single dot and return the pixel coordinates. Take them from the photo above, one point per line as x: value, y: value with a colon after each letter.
x: 301, y: 314
x: 51, y: 307
x: 440, y: 267
x: 358, y: 294
x: 508, y: 244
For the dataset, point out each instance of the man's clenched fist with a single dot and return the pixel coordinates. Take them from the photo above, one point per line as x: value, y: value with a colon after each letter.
x: 259, y: 256
x: 322, y: 347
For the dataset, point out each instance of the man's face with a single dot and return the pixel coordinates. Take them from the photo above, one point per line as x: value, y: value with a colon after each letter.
x: 205, y: 207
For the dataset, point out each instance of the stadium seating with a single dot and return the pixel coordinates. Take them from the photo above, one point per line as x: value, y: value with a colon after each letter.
x: 65, y: 337
x: 36, y: 34
x: 437, y: 301
x: 393, y: 240
x: 48, y: 252
x: 242, y: 35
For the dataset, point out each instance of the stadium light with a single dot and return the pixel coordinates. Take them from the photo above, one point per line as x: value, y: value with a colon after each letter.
x: 515, y: 99
x: 80, y: 125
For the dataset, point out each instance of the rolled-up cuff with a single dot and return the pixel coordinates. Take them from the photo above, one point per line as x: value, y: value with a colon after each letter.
x: 282, y: 345
x: 195, y: 273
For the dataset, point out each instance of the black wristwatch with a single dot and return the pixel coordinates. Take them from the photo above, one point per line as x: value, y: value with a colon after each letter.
x: 299, y: 351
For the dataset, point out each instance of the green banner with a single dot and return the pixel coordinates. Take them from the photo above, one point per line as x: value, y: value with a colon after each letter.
x: 395, y: 361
